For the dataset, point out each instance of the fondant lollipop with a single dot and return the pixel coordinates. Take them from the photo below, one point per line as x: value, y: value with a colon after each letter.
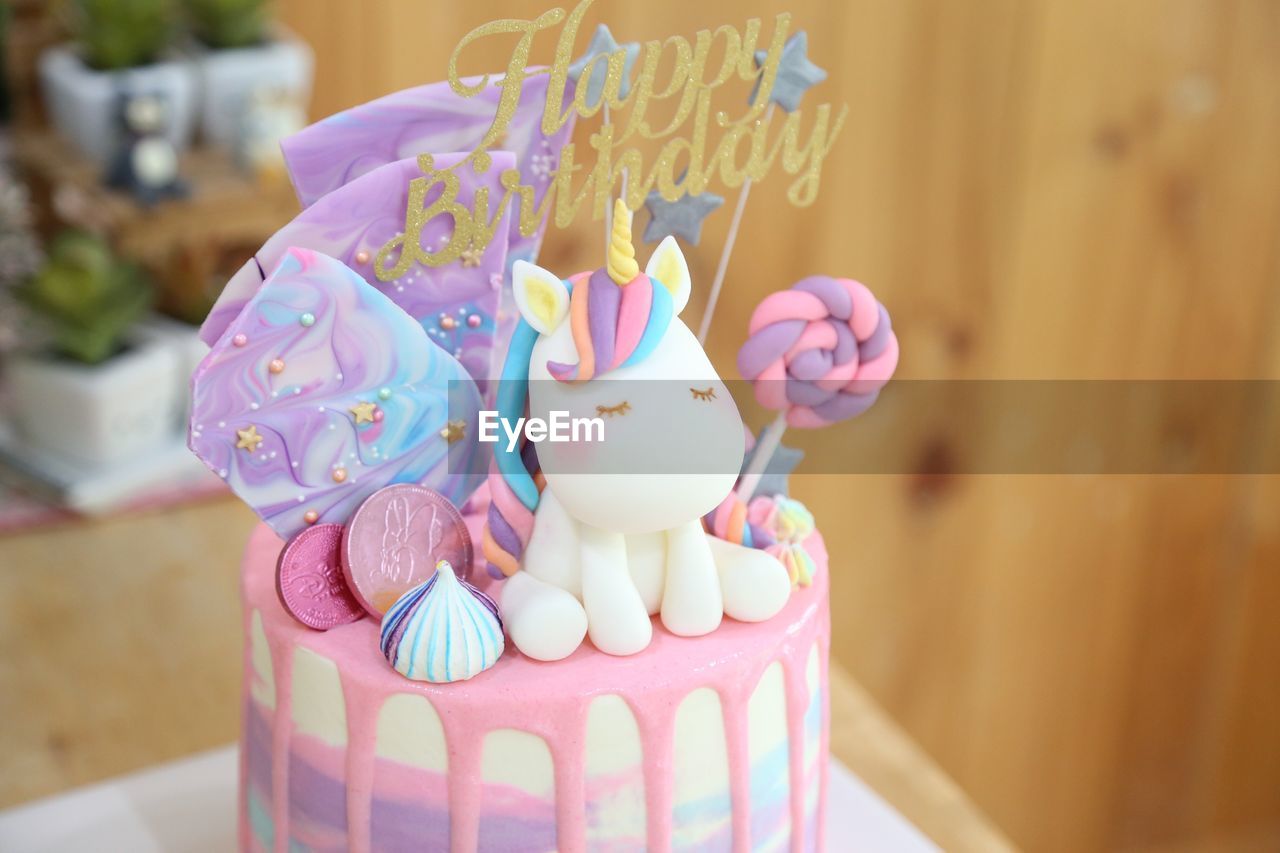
x: 817, y: 354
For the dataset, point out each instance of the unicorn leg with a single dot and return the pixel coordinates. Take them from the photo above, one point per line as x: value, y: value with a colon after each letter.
x: 646, y: 560
x: 754, y: 583
x: 544, y: 621
x: 691, y: 600
x: 617, y: 620
x: 552, y: 552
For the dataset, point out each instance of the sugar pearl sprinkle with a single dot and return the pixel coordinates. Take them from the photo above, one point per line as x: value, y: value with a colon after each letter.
x: 384, y: 393
x: 307, y: 319
x: 276, y: 365
x: 240, y: 340
x: 447, y: 323
x: 311, y: 516
x: 339, y: 475
x: 362, y: 257
x: 474, y: 321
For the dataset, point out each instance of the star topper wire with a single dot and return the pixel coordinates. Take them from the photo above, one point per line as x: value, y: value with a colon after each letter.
x: 796, y: 75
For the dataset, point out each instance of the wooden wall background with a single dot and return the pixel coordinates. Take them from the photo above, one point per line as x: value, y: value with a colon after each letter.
x: 1084, y: 189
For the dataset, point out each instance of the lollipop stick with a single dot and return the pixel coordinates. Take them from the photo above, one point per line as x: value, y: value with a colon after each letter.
x: 764, y: 449
x: 729, y: 240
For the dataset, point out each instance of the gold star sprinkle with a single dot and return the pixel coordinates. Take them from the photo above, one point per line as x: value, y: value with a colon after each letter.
x: 453, y: 431
x: 248, y: 439
x: 363, y: 412
x: 471, y: 257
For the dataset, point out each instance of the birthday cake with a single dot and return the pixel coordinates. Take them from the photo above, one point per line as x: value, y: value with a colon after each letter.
x: 465, y: 630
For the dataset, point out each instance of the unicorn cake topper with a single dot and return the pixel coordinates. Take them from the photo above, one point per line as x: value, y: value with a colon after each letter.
x: 597, y: 554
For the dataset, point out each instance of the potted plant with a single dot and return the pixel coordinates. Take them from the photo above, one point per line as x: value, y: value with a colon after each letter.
x: 98, y: 392
x: 120, y: 49
x: 241, y: 56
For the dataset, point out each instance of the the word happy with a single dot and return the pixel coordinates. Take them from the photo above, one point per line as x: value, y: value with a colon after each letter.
x: 702, y: 143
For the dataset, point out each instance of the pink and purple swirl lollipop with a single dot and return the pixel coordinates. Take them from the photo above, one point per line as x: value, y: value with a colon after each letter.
x: 819, y: 352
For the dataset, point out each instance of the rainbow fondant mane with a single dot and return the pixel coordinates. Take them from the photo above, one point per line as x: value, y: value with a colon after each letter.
x: 617, y: 316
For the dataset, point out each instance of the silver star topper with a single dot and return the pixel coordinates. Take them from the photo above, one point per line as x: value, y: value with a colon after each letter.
x: 795, y: 73
x: 778, y: 470
x: 682, y: 217
x: 603, y: 44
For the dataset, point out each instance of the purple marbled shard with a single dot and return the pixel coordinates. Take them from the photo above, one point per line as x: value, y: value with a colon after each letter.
x: 427, y: 120
x: 353, y: 222
x: 321, y: 392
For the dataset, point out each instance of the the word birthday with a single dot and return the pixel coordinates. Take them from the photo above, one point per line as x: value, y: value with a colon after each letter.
x: 749, y: 145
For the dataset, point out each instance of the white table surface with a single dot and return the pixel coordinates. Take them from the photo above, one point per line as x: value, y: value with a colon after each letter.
x: 190, y: 806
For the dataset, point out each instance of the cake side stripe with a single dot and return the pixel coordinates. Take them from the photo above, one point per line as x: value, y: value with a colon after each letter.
x: 734, y: 703
x: 281, y: 729
x: 824, y: 753
x: 242, y: 799
x: 569, y: 763
x: 797, y: 704
x: 657, y: 736
x: 362, y: 736
x: 463, y: 742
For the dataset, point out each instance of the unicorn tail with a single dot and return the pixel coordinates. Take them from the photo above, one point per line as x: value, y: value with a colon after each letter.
x: 510, y: 522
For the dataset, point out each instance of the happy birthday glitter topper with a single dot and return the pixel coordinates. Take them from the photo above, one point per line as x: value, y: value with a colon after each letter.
x: 748, y: 146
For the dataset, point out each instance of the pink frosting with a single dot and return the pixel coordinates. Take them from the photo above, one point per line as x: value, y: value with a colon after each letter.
x: 551, y: 700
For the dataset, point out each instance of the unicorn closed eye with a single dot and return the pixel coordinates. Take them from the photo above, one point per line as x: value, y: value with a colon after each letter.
x: 599, y: 554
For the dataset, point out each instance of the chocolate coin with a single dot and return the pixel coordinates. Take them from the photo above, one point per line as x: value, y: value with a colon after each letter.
x: 395, y: 539
x: 310, y: 582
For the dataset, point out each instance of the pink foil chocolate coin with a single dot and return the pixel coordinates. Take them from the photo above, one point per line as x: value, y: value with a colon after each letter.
x: 309, y: 579
x: 394, y: 541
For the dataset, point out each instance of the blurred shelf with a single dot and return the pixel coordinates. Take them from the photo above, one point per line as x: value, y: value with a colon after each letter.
x: 191, y: 245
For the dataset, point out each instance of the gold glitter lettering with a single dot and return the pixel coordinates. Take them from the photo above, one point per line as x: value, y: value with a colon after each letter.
x: 749, y: 145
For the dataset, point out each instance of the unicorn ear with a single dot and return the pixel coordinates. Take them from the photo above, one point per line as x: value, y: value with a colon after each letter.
x: 668, y: 266
x: 541, y: 296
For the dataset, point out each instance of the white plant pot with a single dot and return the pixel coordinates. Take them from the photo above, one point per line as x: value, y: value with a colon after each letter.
x: 97, y: 415
x: 84, y: 104
x: 189, y: 350
x: 229, y: 78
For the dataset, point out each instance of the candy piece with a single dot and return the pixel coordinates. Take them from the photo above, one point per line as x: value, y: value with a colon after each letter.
x: 820, y: 351
x: 443, y: 630
x: 360, y: 342
x: 776, y: 524
x: 789, y: 524
x: 309, y: 579
x: 394, y: 541
x: 362, y: 216
x: 729, y: 522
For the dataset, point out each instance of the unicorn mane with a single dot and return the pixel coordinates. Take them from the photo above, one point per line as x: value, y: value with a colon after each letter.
x: 617, y: 316
x: 612, y: 327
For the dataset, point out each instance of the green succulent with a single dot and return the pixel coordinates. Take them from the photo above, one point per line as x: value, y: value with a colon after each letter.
x: 229, y: 23
x: 87, y: 297
x: 117, y: 34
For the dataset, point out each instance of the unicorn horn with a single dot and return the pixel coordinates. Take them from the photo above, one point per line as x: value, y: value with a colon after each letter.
x: 621, y: 262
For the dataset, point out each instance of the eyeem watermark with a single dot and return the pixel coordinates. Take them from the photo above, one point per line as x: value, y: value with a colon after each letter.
x: 558, y: 428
